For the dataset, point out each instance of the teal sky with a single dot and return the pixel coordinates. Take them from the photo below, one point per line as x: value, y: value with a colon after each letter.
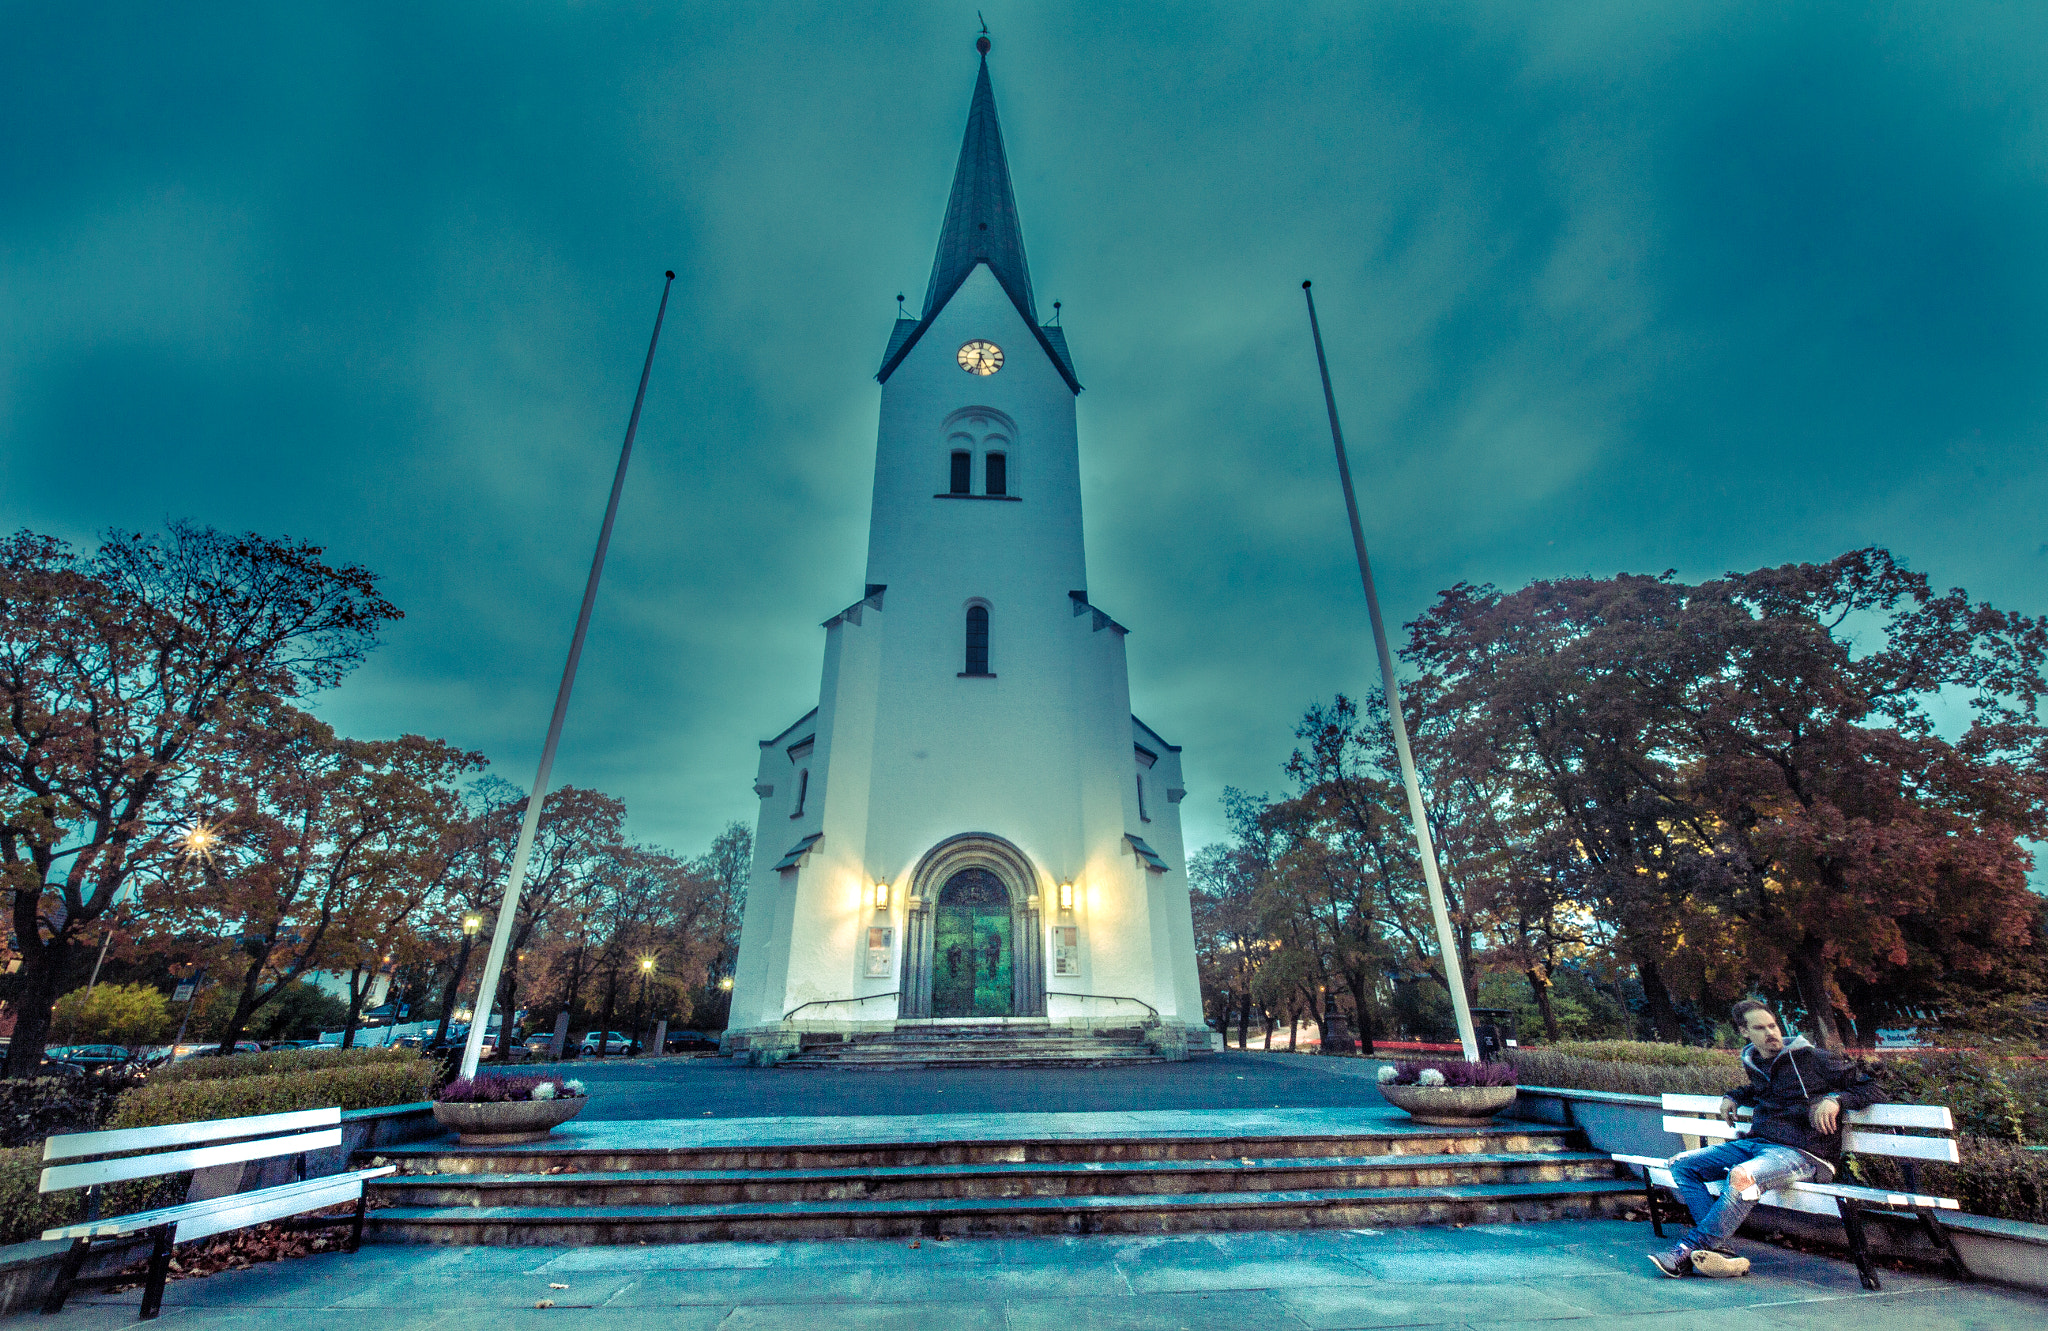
x: 1607, y: 287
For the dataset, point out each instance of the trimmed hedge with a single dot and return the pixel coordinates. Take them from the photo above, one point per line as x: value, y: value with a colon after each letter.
x: 1543, y: 1067
x: 277, y: 1060
x: 1645, y: 1051
x: 368, y: 1085
x: 24, y: 1212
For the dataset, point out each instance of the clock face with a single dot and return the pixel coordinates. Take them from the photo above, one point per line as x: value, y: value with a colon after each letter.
x: 981, y: 358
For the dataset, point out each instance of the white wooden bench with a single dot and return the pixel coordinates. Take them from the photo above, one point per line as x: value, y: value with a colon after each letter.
x: 1699, y: 1116
x: 92, y: 1160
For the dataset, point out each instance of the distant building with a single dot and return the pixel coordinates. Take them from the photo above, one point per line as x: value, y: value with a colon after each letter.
x: 335, y: 984
x: 971, y: 825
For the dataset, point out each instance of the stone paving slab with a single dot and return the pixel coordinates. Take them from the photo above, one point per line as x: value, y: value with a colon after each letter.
x: 1587, y: 1275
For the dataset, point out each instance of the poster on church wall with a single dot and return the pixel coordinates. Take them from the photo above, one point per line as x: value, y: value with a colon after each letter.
x: 1066, y: 949
x: 881, y: 944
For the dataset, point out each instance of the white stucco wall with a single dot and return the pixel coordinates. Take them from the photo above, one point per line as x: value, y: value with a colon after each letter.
x: 908, y: 752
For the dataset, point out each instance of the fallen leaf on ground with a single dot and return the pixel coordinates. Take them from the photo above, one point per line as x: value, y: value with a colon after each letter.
x: 545, y: 1303
x: 553, y: 1285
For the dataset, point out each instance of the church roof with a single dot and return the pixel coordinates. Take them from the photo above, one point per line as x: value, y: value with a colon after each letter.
x: 981, y: 227
x: 981, y: 217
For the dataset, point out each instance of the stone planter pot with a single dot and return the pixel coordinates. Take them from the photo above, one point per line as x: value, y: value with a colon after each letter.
x: 506, y: 1122
x: 1449, y: 1106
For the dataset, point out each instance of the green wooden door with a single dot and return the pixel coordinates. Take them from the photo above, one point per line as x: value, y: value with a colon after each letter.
x: 971, y: 947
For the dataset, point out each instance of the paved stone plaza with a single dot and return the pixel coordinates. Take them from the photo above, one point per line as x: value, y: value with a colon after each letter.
x: 1588, y: 1273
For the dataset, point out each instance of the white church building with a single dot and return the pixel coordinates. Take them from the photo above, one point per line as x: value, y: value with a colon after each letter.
x: 971, y: 826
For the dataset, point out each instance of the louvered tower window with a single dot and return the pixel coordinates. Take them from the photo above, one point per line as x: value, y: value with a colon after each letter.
x: 963, y: 473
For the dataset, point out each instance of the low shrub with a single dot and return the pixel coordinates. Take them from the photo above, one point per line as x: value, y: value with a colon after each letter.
x: 1447, y: 1072
x: 24, y: 1212
x: 500, y: 1089
x: 1996, y: 1178
x: 1542, y: 1067
x: 365, y: 1085
x: 276, y: 1061
x: 1645, y: 1051
x: 34, y: 1108
x: 1995, y: 1098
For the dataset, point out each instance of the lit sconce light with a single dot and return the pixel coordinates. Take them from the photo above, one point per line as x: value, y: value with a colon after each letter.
x: 1066, y: 896
x: 881, y: 896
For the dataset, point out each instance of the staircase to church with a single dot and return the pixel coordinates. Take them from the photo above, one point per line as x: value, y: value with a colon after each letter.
x: 629, y: 1189
x: 943, y: 1045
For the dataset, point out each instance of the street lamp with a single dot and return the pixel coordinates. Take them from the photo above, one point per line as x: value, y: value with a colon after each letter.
x: 640, y: 1016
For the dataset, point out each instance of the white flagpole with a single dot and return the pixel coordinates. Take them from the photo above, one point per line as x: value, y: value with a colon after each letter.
x: 501, y: 933
x: 1417, y: 814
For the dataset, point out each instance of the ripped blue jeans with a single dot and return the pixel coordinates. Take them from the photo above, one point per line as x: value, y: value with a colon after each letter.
x: 1771, y: 1165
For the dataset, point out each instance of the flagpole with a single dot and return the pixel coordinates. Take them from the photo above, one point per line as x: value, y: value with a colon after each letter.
x: 1425, y: 847
x: 501, y: 933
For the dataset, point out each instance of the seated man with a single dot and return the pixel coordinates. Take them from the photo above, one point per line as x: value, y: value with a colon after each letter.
x: 1797, y: 1094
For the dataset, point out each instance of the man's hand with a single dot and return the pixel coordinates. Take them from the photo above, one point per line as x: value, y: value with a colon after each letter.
x: 1826, y: 1114
x: 1728, y: 1108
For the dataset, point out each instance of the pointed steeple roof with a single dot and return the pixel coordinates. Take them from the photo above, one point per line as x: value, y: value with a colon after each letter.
x: 981, y: 217
x: 981, y: 227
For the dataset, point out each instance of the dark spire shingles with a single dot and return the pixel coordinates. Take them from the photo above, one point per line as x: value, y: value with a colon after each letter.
x: 981, y: 218
x: 981, y: 226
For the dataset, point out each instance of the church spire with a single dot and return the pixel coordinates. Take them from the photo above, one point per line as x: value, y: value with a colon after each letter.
x: 981, y: 227
x: 981, y: 216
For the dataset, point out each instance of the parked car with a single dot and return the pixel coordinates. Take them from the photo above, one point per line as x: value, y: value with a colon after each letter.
x: 690, y: 1042
x: 597, y: 1044
x: 541, y: 1045
x: 92, y: 1057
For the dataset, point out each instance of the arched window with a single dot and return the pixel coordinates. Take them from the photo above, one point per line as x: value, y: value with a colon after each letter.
x: 977, y: 640
x: 963, y: 472
x: 998, y: 470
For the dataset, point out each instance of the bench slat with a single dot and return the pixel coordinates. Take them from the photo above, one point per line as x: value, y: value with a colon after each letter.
x: 71, y: 1145
x: 94, y: 1172
x: 1818, y: 1197
x: 1942, y: 1149
x: 1699, y: 1127
x: 113, y: 1226
x: 1936, y: 1117
x: 256, y: 1207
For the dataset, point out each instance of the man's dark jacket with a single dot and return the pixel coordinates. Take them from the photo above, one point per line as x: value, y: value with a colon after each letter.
x: 1782, y: 1090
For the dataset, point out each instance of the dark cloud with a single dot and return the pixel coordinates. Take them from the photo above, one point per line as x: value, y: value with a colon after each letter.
x: 1607, y: 287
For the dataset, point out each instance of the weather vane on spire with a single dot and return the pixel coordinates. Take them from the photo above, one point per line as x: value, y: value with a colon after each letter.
x: 981, y: 42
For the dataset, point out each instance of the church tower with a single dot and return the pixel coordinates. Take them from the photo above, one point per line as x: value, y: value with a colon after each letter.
x: 971, y: 826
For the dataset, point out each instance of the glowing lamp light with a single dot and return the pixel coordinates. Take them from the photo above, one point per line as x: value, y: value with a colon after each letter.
x: 472, y: 923
x: 199, y: 841
x: 1066, y: 896
x: 725, y: 983
x: 881, y: 896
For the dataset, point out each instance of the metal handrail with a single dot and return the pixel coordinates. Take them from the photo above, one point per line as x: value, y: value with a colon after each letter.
x: 1111, y: 998
x: 826, y: 1002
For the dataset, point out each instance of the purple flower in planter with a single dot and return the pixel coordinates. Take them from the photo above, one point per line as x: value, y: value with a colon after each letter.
x: 1454, y: 1073
x: 502, y: 1089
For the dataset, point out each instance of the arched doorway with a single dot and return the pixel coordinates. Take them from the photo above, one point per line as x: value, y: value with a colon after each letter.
x: 971, y: 940
x: 973, y: 956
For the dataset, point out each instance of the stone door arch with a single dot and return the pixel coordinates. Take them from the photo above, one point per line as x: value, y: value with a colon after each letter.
x: 941, y: 865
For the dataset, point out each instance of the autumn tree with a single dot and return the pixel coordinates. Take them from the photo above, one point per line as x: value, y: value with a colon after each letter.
x: 115, y: 674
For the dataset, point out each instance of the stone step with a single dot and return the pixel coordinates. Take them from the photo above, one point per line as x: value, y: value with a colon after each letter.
x: 1046, y: 1179
x: 564, y: 1156
x: 564, y: 1226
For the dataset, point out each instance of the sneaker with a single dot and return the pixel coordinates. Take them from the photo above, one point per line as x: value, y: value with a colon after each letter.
x: 1675, y: 1262
x: 1720, y: 1265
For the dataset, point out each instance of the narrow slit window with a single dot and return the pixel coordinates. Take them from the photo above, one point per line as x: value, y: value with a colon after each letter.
x: 1142, y: 815
x: 803, y: 791
x: 977, y: 640
x: 963, y: 473
x: 998, y: 468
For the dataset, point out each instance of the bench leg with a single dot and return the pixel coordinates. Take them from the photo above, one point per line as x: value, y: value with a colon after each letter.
x: 355, y: 1236
x: 1937, y: 1234
x: 67, y: 1275
x: 159, y: 1271
x: 1859, y: 1245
